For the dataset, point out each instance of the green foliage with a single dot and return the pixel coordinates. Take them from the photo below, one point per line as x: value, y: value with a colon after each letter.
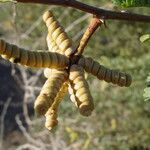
x: 132, y: 3
x: 4, y: 1
x: 145, y: 38
x: 146, y: 94
x: 147, y: 90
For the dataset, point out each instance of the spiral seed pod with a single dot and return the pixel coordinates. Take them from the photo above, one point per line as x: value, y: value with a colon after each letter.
x: 51, y: 119
x: 103, y: 73
x: 73, y: 98
x: 49, y: 91
x: 47, y: 72
x: 58, y: 34
x: 81, y: 88
x: 51, y: 114
x: 52, y: 47
x: 32, y: 58
x: 60, y: 95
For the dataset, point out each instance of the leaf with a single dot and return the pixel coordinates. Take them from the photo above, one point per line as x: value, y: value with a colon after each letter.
x: 72, y: 134
x: 145, y: 38
x: 4, y: 1
x: 132, y: 3
x: 146, y: 94
x: 148, y: 79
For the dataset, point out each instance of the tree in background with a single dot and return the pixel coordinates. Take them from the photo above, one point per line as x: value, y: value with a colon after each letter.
x: 117, y: 58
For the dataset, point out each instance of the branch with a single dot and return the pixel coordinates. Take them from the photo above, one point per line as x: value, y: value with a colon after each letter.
x: 102, y: 13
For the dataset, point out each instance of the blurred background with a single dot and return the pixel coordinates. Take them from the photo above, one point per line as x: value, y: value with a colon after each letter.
x: 121, y: 119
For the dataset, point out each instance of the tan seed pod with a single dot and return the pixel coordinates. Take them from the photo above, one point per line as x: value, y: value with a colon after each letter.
x: 47, y: 72
x: 108, y: 77
x: 128, y: 80
x: 51, y: 119
x: 2, y: 46
x: 60, y: 95
x: 85, y: 103
x: 8, y: 53
x: 58, y: 34
x: 103, y: 73
x: 73, y: 98
x: 51, y: 114
x: 49, y: 91
x: 24, y: 57
x: 32, y: 58
x: 15, y: 53
x: 122, y: 79
x: 39, y: 60
x: 53, y: 47
x: 115, y: 77
x: 47, y: 15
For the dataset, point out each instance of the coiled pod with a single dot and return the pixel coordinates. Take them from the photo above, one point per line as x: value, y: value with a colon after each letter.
x: 47, y: 72
x: 51, y: 118
x: 81, y: 88
x: 49, y: 91
x: 60, y: 95
x: 32, y: 58
x: 51, y: 114
x: 52, y: 46
x: 103, y: 73
x: 132, y: 3
x: 58, y: 34
x: 73, y: 98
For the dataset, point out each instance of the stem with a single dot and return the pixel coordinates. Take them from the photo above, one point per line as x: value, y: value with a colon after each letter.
x: 105, y: 14
x: 94, y: 24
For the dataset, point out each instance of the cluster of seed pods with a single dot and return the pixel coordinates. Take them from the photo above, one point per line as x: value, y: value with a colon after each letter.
x: 38, y: 59
x: 61, y: 74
